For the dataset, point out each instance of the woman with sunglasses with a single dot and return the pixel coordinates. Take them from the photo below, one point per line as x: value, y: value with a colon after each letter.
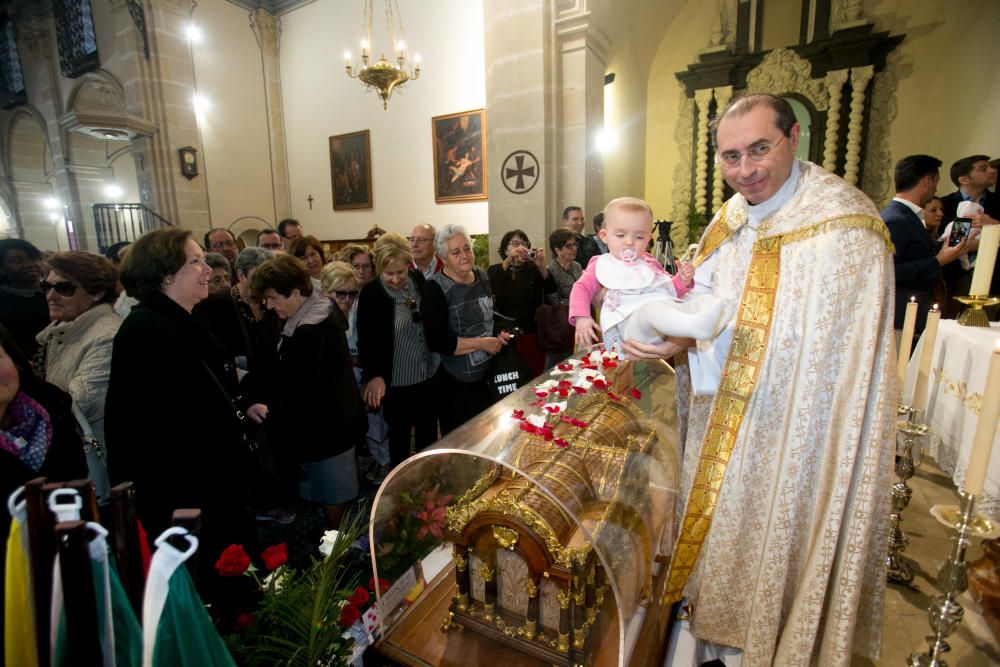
x: 340, y: 283
x: 398, y: 365
x: 74, y: 351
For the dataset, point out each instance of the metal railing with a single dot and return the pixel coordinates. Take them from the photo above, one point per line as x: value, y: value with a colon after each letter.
x: 124, y: 222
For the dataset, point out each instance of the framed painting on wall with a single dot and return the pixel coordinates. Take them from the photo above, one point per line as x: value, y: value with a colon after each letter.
x: 459, y: 157
x: 351, y: 170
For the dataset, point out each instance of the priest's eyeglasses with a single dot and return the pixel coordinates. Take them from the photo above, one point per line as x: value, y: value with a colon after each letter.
x: 757, y: 153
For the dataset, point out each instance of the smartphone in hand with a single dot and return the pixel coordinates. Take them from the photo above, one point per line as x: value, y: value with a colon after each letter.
x: 959, y: 230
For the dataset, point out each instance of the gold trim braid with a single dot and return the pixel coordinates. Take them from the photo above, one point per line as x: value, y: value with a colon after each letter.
x: 856, y: 221
x: 717, y: 234
x: 739, y: 375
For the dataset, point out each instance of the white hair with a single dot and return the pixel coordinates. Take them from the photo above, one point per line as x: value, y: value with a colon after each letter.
x: 445, y: 234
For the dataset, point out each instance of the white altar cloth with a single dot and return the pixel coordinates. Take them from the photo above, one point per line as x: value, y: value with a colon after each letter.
x: 958, y: 376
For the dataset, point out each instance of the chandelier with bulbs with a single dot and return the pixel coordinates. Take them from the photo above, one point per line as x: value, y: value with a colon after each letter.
x: 384, y: 76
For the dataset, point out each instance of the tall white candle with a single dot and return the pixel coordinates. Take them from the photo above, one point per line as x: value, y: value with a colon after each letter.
x: 986, y: 427
x: 906, y: 342
x: 919, y: 400
x: 986, y: 257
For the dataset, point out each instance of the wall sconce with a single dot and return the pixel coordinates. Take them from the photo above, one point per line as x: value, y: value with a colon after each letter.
x: 189, y: 161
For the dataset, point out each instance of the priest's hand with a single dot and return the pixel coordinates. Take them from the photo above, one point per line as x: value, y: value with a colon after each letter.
x: 663, y: 350
x: 374, y: 392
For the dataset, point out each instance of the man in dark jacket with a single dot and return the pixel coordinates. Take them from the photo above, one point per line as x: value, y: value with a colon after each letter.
x: 572, y: 218
x: 917, y: 266
x: 972, y: 176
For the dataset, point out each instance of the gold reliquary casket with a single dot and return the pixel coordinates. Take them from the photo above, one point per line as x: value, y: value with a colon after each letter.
x: 551, y: 516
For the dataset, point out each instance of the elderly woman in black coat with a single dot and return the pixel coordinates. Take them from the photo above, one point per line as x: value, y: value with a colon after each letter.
x: 311, y: 386
x: 398, y: 367
x: 171, y: 427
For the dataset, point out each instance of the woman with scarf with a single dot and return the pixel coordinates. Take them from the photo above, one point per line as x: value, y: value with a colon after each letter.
x: 310, y: 387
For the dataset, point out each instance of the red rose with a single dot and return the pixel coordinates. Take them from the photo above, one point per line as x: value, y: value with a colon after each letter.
x: 349, y: 614
x: 244, y: 621
x: 636, y: 394
x: 383, y: 585
x: 360, y: 596
x: 562, y: 443
x: 233, y: 562
x: 275, y: 556
x: 613, y: 396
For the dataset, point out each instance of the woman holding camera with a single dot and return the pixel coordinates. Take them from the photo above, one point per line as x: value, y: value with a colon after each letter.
x: 520, y: 282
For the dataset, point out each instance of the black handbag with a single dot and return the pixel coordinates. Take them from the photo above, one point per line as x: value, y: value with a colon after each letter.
x: 508, y: 373
x: 264, y: 475
x: 555, y: 333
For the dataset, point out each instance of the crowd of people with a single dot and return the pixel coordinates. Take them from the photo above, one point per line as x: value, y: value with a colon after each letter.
x: 185, y: 357
x: 188, y: 361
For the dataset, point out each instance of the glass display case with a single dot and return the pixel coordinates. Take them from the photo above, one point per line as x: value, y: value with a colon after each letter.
x: 542, y: 525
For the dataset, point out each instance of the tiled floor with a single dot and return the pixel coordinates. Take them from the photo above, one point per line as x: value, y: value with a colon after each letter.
x: 905, y: 621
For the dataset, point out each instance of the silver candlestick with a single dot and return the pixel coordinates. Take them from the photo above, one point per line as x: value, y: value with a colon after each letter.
x: 945, y: 613
x: 900, y: 571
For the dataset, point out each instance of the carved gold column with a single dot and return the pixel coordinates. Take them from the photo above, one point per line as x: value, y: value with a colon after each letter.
x: 702, y: 99
x: 722, y: 96
x: 579, y: 605
x: 591, y: 597
x: 835, y: 89
x: 562, y: 643
x: 531, y: 619
x: 461, y: 556
x: 490, y: 592
x: 860, y: 76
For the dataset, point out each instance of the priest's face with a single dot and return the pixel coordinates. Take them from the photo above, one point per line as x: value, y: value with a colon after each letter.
x: 763, y: 154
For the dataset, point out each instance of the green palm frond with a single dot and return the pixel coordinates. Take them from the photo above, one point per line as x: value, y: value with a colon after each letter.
x: 299, y: 625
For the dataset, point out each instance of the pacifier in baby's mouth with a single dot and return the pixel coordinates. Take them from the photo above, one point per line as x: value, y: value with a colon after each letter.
x: 628, y: 255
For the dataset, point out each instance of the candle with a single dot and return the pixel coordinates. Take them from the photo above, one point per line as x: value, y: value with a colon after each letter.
x: 919, y: 400
x: 986, y: 257
x: 986, y: 427
x: 906, y: 342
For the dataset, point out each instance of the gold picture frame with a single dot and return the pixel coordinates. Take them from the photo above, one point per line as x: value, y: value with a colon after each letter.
x: 351, y: 170
x: 459, y: 156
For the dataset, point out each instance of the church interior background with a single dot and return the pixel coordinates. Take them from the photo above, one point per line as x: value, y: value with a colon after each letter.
x: 102, y: 100
x: 608, y: 98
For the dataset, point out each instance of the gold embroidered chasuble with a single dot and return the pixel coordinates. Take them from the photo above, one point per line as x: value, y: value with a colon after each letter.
x: 783, y: 541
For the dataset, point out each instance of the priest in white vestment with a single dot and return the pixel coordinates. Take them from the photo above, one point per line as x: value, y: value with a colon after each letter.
x: 782, y: 546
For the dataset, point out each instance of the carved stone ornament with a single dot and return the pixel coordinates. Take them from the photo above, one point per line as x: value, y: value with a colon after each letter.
x: 267, y: 27
x: 876, y: 181
x: 681, y: 195
x: 782, y: 71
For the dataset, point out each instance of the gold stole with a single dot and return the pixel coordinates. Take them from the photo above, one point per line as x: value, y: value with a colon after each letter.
x: 739, y: 375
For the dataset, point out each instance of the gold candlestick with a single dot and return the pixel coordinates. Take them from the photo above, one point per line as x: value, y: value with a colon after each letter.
x: 974, y: 315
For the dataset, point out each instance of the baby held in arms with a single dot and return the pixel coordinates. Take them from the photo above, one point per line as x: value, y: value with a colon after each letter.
x: 643, y: 302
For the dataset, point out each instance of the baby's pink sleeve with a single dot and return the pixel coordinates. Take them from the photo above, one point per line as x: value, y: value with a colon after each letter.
x: 680, y: 287
x: 583, y: 292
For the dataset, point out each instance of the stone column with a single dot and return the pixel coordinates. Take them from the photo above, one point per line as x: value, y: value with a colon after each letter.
x: 267, y: 29
x: 517, y: 38
x: 161, y: 89
x: 582, y: 54
x: 860, y: 76
x: 834, y: 88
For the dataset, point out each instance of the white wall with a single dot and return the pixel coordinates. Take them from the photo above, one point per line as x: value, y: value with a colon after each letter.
x: 320, y: 100
x: 233, y: 126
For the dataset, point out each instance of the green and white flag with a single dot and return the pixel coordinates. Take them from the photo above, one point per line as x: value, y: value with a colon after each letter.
x: 176, y: 628
x: 120, y: 634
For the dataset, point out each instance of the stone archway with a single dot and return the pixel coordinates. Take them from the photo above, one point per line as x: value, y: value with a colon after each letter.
x: 30, y: 181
